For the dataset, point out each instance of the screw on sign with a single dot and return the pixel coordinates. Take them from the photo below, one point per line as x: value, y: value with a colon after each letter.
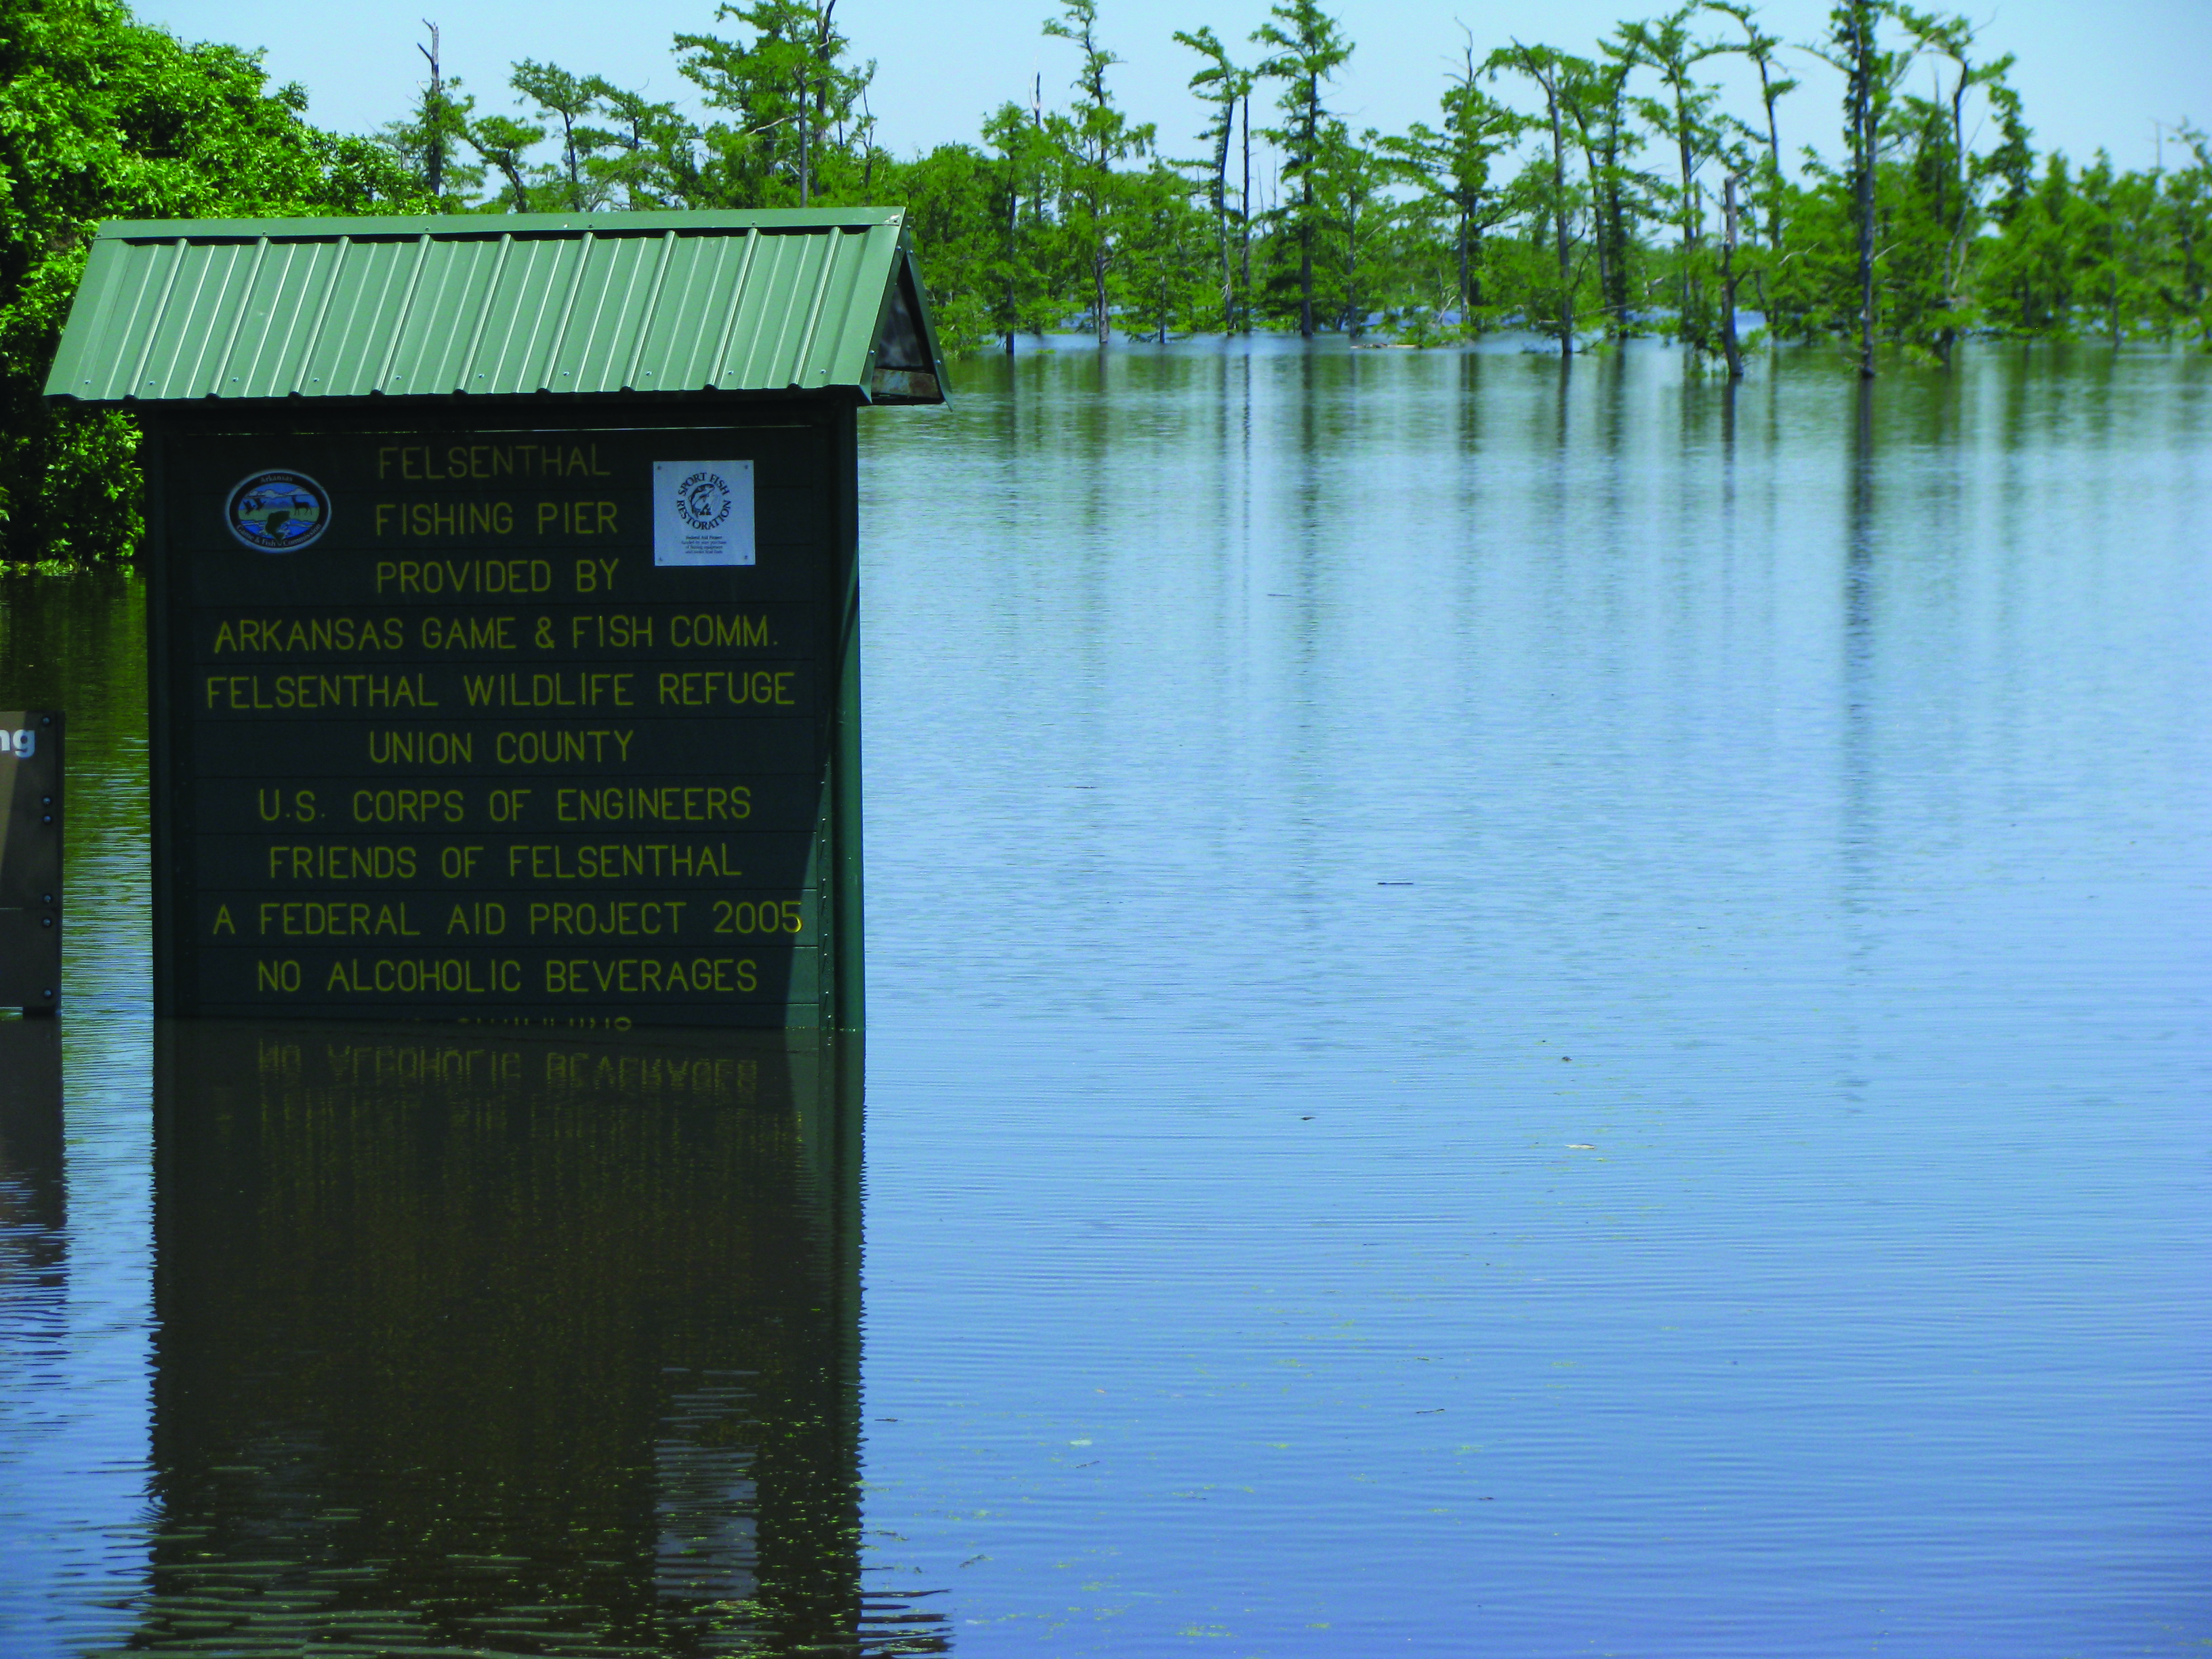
x: 30, y: 859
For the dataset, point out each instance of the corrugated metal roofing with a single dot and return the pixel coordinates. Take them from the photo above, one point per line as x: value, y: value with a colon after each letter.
x: 512, y: 305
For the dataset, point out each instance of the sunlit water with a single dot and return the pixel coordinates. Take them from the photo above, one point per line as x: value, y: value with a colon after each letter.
x: 1509, y: 1015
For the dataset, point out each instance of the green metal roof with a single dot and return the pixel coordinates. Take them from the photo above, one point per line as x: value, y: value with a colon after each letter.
x: 508, y: 304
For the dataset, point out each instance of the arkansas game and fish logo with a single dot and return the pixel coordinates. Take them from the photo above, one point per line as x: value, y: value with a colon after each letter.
x: 277, y: 512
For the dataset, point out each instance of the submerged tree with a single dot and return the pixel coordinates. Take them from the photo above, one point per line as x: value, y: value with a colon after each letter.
x: 1095, y: 136
x: 1553, y: 72
x: 1596, y: 96
x: 1867, y: 70
x: 646, y: 156
x: 1452, y: 170
x: 1938, y: 217
x: 1307, y: 48
x: 1017, y: 273
x: 1224, y: 86
x: 1685, y: 115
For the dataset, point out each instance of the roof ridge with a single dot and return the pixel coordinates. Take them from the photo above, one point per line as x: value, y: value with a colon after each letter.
x: 442, y: 225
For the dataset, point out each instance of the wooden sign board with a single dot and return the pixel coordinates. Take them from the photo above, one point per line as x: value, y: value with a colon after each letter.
x: 30, y: 859
x: 505, y: 721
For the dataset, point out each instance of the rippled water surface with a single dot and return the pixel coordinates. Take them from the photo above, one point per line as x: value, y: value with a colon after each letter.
x: 1510, y: 1016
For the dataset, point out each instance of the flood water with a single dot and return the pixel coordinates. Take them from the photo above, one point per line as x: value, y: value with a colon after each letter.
x: 1509, y: 1015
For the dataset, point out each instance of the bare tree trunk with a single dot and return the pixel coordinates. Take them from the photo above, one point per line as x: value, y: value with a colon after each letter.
x: 2112, y: 263
x: 1101, y: 183
x: 1862, y: 137
x: 1599, y: 244
x: 1545, y: 74
x: 1559, y: 229
x: 433, y: 138
x: 1955, y: 255
x: 1687, y: 286
x: 1098, y: 290
x: 1729, y: 347
x: 1221, y: 214
x: 1244, y: 228
x: 1464, y: 216
x: 813, y: 98
x: 1305, y: 212
x: 1221, y: 240
x: 1098, y: 275
x: 1352, y: 312
x: 1305, y: 269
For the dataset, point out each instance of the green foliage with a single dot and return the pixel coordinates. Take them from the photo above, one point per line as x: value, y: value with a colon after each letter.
x: 1165, y: 277
x: 102, y: 117
x: 956, y: 200
x: 793, y: 90
x: 1224, y: 86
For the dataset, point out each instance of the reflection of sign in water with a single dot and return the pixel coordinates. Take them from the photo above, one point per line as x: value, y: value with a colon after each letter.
x: 656, y: 1239
x: 277, y: 512
x: 703, y: 512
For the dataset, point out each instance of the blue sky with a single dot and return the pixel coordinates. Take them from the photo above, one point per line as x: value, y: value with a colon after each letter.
x: 2091, y: 73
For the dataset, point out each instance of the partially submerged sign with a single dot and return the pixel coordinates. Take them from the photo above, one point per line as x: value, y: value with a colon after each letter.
x: 505, y: 605
x: 30, y: 859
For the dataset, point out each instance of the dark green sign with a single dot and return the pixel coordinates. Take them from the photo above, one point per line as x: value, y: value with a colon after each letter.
x: 30, y: 859
x: 493, y: 721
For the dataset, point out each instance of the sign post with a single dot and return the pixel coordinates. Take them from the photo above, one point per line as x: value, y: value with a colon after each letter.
x: 513, y: 675
x: 31, y: 860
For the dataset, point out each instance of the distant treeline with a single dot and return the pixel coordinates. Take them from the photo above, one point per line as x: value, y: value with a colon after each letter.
x: 1583, y: 196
